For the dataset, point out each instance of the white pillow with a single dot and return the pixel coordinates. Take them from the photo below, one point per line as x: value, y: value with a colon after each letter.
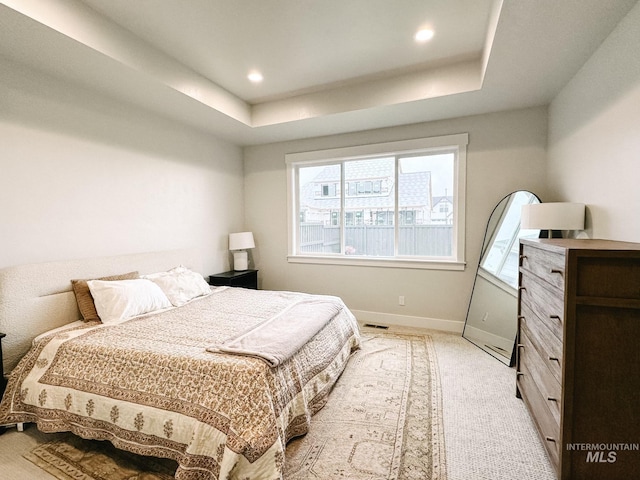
x: 119, y: 300
x: 180, y: 285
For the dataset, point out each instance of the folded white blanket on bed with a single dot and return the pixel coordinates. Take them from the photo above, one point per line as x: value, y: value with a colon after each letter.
x: 280, y: 337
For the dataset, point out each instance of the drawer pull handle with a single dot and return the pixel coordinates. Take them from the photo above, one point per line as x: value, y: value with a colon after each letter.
x: 552, y: 399
x: 522, y: 257
x: 554, y: 317
x: 555, y: 359
x: 519, y: 374
x: 522, y: 288
x: 555, y: 270
x: 550, y: 439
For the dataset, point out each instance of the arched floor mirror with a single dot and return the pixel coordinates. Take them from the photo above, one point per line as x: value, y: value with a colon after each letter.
x: 492, y: 315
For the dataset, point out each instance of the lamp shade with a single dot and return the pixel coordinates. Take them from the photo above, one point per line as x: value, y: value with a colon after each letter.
x: 553, y: 216
x: 241, y: 241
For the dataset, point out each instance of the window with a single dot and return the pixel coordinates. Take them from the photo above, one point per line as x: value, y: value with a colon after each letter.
x: 327, y: 190
x: 407, y: 217
x: 389, y: 213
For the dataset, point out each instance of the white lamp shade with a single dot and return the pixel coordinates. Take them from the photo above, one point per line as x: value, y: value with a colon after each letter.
x: 553, y: 216
x: 241, y: 241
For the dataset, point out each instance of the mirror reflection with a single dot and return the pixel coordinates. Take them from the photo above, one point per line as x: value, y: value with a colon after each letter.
x: 492, y: 315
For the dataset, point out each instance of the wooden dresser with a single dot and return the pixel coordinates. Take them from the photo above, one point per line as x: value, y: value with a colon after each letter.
x: 578, y: 353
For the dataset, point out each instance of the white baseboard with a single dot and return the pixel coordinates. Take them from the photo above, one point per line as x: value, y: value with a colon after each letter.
x: 389, y: 319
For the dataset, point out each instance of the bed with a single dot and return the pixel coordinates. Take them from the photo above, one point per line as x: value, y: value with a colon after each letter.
x: 214, y: 383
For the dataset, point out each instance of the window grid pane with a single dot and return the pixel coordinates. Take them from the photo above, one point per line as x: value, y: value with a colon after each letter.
x: 319, y: 209
x: 425, y: 184
x: 371, y: 235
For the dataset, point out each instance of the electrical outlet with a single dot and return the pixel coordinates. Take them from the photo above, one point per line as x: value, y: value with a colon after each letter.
x: 401, y: 300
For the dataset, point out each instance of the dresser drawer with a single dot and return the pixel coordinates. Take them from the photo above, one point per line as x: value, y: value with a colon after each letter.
x: 537, y: 364
x: 547, y: 426
x: 542, y: 336
x: 545, y: 302
x: 547, y: 265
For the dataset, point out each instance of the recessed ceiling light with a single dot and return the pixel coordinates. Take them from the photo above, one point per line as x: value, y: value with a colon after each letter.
x: 255, y: 77
x: 423, y: 35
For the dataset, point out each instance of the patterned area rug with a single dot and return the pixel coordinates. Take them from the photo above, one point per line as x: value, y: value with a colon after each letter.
x: 383, y: 421
x: 73, y: 458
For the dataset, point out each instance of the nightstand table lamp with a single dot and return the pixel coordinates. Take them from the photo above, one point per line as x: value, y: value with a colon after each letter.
x: 238, y: 244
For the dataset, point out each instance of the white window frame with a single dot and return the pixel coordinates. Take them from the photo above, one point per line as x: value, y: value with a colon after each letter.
x: 431, y: 145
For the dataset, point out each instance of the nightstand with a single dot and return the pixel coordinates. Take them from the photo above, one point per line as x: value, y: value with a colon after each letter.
x: 3, y: 381
x: 244, y: 278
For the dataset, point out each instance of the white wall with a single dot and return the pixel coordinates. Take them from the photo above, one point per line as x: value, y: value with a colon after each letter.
x: 83, y: 176
x: 506, y: 152
x: 594, y: 136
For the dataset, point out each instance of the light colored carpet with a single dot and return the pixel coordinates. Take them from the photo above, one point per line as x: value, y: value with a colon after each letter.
x: 488, y: 433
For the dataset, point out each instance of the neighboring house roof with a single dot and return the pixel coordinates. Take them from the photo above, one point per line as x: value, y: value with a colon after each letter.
x: 447, y: 198
x: 414, y: 187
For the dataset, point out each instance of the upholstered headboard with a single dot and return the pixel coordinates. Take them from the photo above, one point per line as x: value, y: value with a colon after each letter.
x: 36, y: 298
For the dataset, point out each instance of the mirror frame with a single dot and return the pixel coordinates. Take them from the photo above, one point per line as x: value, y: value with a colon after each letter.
x: 483, y: 251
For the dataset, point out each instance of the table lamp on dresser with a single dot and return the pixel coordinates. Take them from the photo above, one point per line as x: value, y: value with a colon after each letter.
x: 553, y: 216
